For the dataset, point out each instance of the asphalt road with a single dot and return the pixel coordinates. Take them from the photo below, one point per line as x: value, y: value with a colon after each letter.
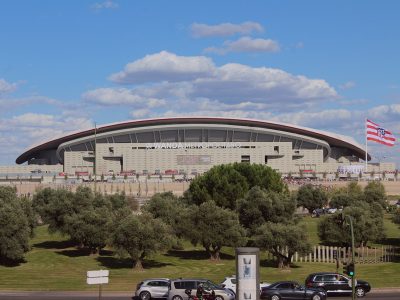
x: 376, y: 295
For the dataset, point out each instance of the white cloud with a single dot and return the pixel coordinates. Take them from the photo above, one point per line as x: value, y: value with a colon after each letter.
x: 120, y: 96
x: 141, y: 113
x: 201, y: 79
x: 32, y: 119
x: 164, y: 66
x: 246, y: 44
x: 238, y: 83
x: 224, y: 29
x: 108, y: 4
x: 6, y: 87
x: 347, y: 85
x: 21, y: 131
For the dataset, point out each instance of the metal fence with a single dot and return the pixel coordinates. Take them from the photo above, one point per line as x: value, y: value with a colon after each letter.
x: 363, y: 255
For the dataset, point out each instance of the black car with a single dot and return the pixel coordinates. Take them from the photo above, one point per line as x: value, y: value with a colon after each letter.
x: 282, y: 290
x: 337, y: 284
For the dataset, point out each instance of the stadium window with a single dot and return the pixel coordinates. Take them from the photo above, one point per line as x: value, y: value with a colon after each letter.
x: 265, y: 159
x: 276, y: 149
x: 245, y: 159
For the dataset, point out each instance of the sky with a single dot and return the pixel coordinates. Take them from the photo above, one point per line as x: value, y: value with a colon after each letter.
x: 327, y: 65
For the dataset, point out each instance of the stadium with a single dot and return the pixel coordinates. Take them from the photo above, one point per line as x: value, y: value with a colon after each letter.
x: 192, y: 145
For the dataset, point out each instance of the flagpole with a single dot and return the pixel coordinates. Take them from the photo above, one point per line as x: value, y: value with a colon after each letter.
x: 366, y: 146
x: 94, y: 161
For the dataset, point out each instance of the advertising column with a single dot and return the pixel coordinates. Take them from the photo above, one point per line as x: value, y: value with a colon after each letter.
x: 247, y: 273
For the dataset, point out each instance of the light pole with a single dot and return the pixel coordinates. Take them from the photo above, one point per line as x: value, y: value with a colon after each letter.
x: 353, y: 288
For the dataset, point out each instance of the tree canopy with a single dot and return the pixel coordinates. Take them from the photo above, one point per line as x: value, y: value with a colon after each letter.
x: 226, y: 184
x: 311, y: 197
x: 85, y: 216
x: 171, y: 210
x: 16, y: 225
x: 367, y: 226
x: 283, y: 241
x: 214, y: 227
x: 139, y: 236
x: 260, y: 206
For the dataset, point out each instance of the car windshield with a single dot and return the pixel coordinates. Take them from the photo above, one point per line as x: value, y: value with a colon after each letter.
x: 209, y: 285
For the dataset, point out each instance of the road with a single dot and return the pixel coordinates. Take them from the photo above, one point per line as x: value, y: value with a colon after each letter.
x: 376, y: 295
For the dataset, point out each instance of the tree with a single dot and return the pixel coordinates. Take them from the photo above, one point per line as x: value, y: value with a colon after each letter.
x: 396, y: 217
x: 374, y: 192
x: 311, y: 197
x: 367, y: 226
x: 283, y: 241
x: 16, y: 226
x: 139, y: 236
x: 221, y: 184
x: 262, y: 176
x: 84, y: 216
x: 52, y: 206
x: 226, y: 184
x: 90, y: 228
x: 346, y: 196
x: 171, y: 210
x: 214, y: 227
x: 260, y: 206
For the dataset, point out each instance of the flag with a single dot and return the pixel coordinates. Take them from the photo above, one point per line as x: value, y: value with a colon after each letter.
x: 378, y: 134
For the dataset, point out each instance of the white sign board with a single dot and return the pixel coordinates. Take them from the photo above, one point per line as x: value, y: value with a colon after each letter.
x: 97, y: 280
x: 97, y: 277
x: 99, y: 273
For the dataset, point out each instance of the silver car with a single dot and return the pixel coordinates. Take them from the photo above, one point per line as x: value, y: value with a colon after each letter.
x: 178, y: 287
x: 152, y: 288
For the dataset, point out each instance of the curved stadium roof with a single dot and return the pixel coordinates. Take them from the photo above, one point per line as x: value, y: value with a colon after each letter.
x: 332, y: 139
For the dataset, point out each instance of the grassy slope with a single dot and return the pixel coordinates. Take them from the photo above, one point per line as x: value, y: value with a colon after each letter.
x: 53, y: 265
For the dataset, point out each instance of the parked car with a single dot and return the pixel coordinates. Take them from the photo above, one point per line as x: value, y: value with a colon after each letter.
x: 335, y: 283
x: 230, y: 283
x: 152, y: 288
x: 177, y: 289
x: 283, y: 290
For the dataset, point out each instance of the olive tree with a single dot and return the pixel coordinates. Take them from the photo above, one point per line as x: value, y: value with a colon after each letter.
x: 139, y: 236
x: 283, y: 240
x: 260, y: 206
x: 171, y: 210
x: 16, y: 225
x: 311, y: 197
x: 214, y: 227
x: 367, y: 225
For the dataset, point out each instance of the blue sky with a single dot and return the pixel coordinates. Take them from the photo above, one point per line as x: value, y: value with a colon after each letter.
x: 327, y: 65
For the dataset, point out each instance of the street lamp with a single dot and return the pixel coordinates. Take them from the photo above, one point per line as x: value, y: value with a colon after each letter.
x: 351, y: 267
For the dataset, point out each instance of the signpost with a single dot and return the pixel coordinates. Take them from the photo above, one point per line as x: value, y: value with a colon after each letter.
x: 99, y: 277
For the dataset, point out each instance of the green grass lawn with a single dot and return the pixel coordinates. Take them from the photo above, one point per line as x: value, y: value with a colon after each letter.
x: 53, y: 264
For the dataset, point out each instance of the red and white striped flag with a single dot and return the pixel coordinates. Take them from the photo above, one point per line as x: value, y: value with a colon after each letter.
x: 378, y: 134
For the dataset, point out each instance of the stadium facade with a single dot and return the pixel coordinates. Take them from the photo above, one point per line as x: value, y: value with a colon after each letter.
x: 193, y: 145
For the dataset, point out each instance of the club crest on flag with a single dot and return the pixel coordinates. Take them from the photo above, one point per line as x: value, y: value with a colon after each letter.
x: 379, y: 134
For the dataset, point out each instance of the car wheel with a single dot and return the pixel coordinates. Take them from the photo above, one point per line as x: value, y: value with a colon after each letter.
x: 176, y: 297
x: 360, y: 292
x: 219, y: 298
x: 316, y: 297
x: 275, y: 297
x: 145, y: 296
